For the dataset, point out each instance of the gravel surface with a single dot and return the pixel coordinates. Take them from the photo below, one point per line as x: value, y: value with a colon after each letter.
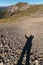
x: 12, y: 41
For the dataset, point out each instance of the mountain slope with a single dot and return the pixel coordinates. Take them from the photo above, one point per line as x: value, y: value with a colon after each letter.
x: 18, y: 7
x: 20, y: 10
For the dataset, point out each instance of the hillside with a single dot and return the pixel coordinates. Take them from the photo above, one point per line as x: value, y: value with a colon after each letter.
x: 19, y: 7
x: 11, y: 10
x: 20, y: 10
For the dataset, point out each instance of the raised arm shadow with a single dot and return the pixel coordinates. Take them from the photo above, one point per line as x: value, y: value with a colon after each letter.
x: 26, y: 49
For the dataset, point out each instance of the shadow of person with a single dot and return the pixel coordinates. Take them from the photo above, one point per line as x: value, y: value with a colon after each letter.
x: 26, y: 50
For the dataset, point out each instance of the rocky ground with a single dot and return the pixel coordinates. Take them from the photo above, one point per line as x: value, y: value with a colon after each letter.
x: 12, y: 41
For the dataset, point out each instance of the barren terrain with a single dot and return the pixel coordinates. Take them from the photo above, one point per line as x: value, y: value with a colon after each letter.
x: 15, y: 35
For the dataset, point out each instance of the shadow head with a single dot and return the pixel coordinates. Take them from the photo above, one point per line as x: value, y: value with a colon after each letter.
x: 30, y: 37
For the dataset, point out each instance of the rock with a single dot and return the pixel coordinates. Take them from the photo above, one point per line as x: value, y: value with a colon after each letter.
x: 36, y: 62
x: 1, y: 63
x: 1, y: 45
x: 18, y: 7
x: 18, y: 52
x: 8, y: 60
x: 32, y: 58
x: 39, y: 59
x: 15, y: 62
x: 31, y: 52
x: 39, y: 56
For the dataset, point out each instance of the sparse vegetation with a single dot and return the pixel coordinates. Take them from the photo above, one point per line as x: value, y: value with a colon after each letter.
x: 15, y: 15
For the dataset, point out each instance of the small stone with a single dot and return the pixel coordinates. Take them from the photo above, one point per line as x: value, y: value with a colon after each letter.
x: 31, y: 52
x: 1, y: 63
x: 32, y: 58
x: 15, y: 62
x: 39, y: 56
x: 36, y: 62
x: 39, y: 59
x: 1, y: 45
x: 18, y: 52
x: 8, y: 60
x: 24, y: 58
x: 15, y: 38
